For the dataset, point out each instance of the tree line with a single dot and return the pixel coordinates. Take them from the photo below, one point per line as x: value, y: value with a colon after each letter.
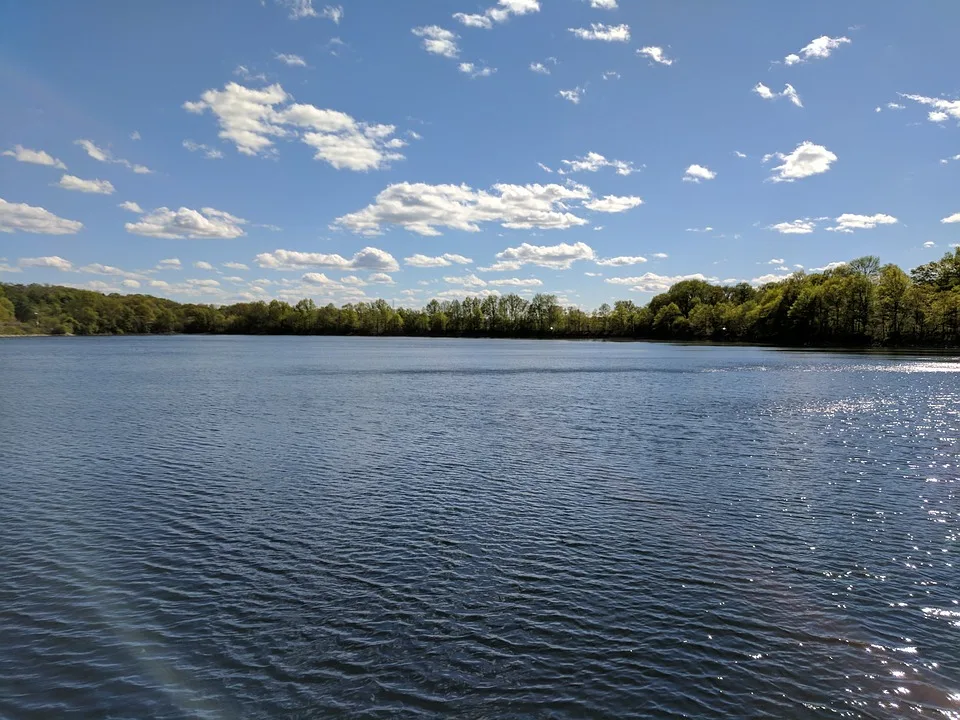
x: 859, y: 303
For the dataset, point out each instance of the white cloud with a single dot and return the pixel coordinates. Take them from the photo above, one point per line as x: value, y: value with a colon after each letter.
x: 20, y: 217
x: 99, y: 269
x: 474, y: 71
x: 770, y: 278
x: 788, y: 92
x: 299, y: 9
x: 333, y: 12
x: 606, y: 33
x: 105, y: 156
x: 613, y: 204
x: 929, y: 244
x: 574, y: 95
x: 206, y: 223
x: 502, y: 266
x: 291, y: 60
x: 461, y: 293
x: 516, y: 282
x: 53, y: 261
x: 235, y: 266
x: 422, y: 208
x: 943, y: 109
x: 558, y: 257
x: 592, y: 162
x: 655, y: 54
x: 438, y: 40
x: 696, y: 173
x: 131, y: 206
x: 244, y: 72
x: 539, y: 67
x: 499, y: 13
x: 208, y: 152
x: 353, y: 280
x: 816, y: 49
x: 611, y: 75
x: 545, y: 168
x: 72, y: 182
x: 895, y: 106
x: 381, y: 278
x: 654, y: 283
x: 794, y: 227
x: 201, y: 265
x: 135, y: 135
x: 604, y: 4
x: 36, y: 157
x: 955, y: 218
x: 250, y: 119
x: 739, y: 154
x: 775, y: 261
x: 445, y: 260
x: 807, y: 159
x: 367, y: 259
x: 470, y: 280
x: 660, y: 256
x: 849, y: 222
x: 622, y: 260
x: 169, y: 264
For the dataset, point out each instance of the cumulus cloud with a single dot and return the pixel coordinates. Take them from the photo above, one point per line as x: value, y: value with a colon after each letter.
x: 794, y: 227
x: 817, y: 49
x: 739, y: 154
x: 208, y: 152
x: 955, y: 218
x: 537, y: 67
x: 499, y: 13
x: 697, y: 173
x: 381, y: 278
x: 131, y: 206
x: 169, y: 264
x: 475, y: 71
x: 105, y: 156
x: 470, y: 280
x: 806, y: 159
x: 557, y: 257
x: 20, y: 217
x: 445, y: 260
x: 369, y: 258
x: 592, y: 162
x: 943, y: 109
x: 461, y: 293
x: 606, y: 33
x: 769, y: 278
x: 291, y: 60
x: 438, y: 40
x: 72, y: 182
x: 333, y: 13
x: 251, y: 118
x: 655, y: 54
x: 929, y: 244
x: 700, y: 230
x: 613, y: 204
x: 206, y: 223
x: 516, y: 282
x: 202, y: 265
x: 622, y: 260
x: 788, y: 92
x: 36, y: 157
x: 604, y: 4
x: 99, y: 269
x: 422, y: 208
x: 54, y: 262
x: 574, y: 95
x: 849, y: 222
x: 235, y: 266
x: 654, y: 283
x: 660, y: 256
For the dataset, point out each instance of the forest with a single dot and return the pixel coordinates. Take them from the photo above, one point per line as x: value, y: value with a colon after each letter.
x: 860, y: 303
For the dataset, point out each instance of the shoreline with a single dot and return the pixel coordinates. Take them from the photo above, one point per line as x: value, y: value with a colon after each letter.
x: 902, y: 349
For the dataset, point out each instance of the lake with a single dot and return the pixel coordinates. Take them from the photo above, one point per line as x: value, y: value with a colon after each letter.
x: 226, y: 527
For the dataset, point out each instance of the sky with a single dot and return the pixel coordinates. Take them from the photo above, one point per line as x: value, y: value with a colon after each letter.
x: 220, y: 152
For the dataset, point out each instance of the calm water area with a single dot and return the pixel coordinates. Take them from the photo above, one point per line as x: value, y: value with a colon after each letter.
x: 256, y: 527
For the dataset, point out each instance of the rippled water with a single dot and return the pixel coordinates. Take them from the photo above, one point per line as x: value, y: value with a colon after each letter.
x: 312, y: 527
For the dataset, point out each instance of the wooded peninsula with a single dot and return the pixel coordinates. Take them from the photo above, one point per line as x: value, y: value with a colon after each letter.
x: 860, y: 303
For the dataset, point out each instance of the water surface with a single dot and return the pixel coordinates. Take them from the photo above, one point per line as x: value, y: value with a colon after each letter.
x: 224, y: 527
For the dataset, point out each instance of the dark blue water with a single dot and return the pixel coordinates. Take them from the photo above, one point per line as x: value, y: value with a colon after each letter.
x: 320, y: 527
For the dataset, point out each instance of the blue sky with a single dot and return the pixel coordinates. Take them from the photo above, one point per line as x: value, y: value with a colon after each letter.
x: 596, y: 149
